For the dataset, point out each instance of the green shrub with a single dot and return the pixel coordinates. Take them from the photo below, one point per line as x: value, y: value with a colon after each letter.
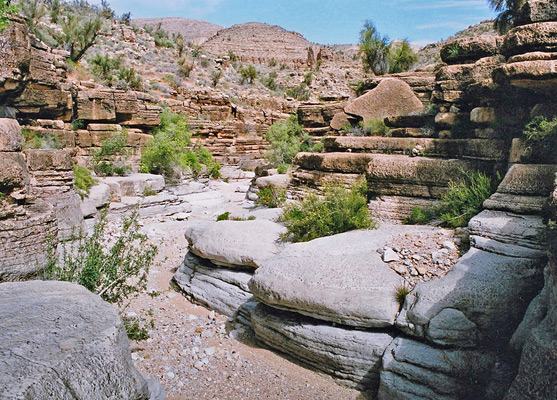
x: 130, y: 77
x: 271, y: 197
x: 400, y: 294
x: 272, y: 62
x: 300, y: 92
x: 41, y: 140
x: 135, y: 328
x: 339, y: 210
x: 282, y: 169
x: 83, y: 180
x: 6, y: 9
x: 184, y: 68
x: 148, y: 191
x: 418, y: 217
x: 104, y: 67
x: 112, y: 267
x: 541, y: 138
x: 77, y: 124
x: 216, y: 74
x: 111, y: 158
x: 465, y: 198
x: 171, y: 151
x: 286, y: 139
x: 270, y: 82
x: 223, y: 217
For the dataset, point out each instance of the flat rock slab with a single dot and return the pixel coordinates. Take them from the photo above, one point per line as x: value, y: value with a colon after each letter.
x: 508, y: 234
x: 352, y: 357
x: 482, y: 299
x: 59, y: 341
x: 235, y: 243
x: 338, y: 278
x: 133, y: 185
x: 529, y: 180
x: 220, y: 289
x: 413, y: 370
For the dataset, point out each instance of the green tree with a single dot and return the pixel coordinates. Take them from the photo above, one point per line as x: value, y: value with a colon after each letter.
x: 374, y: 49
x: 79, y: 34
x: 508, y: 13
x: 6, y: 8
x: 401, y: 57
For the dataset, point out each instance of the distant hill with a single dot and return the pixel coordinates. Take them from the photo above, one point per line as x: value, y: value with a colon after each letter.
x: 191, y: 29
x: 259, y: 43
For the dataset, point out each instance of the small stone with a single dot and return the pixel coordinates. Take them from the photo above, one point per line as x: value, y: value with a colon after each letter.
x: 399, y: 269
x: 170, y: 375
x: 389, y: 255
x: 408, y: 263
x: 210, y: 351
x: 449, y: 245
x: 421, y: 270
x: 413, y: 272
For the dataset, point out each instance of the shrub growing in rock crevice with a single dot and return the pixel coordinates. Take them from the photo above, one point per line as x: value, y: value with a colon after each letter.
x: 171, y: 152
x: 338, y: 210
x: 541, y: 138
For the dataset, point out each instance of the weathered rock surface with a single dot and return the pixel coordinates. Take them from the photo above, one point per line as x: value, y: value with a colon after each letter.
x: 13, y: 172
x: 11, y: 138
x: 390, y: 98
x: 133, y: 185
x: 218, y: 288
x: 323, y: 277
x: 350, y: 356
x: 60, y: 341
x: 538, y: 11
x: 469, y: 49
x: 24, y: 242
x: 532, y: 37
x: 481, y: 291
x: 508, y: 234
x: 231, y: 243
x: 351, y: 163
x: 413, y: 370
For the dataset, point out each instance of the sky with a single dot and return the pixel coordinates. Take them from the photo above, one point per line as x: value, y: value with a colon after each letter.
x: 326, y: 21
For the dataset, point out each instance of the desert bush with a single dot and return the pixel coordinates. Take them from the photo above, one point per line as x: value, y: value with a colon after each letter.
x: 401, y: 292
x: 79, y: 33
x: 371, y: 127
x: 130, y: 77
x: 300, y: 92
x: 272, y: 62
x: 112, y: 267
x: 216, y: 75
x: 248, y: 74
x: 465, y: 198
x: 172, y: 153
x: 104, y: 67
x: 184, y: 68
x: 418, y: 217
x: 401, y: 57
x: 541, y: 138
x: 308, y: 78
x: 40, y: 140
x: 83, y: 180
x: 287, y: 138
x: 339, y: 210
x: 271, y: 197
x: 269, y: 81
x: 111, y: 158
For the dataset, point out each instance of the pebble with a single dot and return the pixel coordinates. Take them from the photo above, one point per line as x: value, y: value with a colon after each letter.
x: 389, y: 255
x: 449, y: 245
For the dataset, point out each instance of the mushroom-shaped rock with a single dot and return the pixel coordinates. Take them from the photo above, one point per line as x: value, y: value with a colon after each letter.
x: 59, y: 341
x: 390, y: 98
x: 235, y: 243
x: 338, y: 278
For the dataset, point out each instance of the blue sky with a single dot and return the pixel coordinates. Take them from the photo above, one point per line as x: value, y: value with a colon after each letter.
x: 326, y: 21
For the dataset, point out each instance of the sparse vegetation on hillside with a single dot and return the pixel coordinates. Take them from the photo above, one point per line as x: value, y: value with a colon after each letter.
x: 248, y: 73
x: 40, y: 140
x: 111, y: 158
x: 339, y: 210
x: 172, y: 153
x: 287, y: 138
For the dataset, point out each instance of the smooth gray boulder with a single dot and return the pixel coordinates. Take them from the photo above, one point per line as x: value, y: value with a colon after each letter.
x: 11, y: 138
x: 508, y: 234
x: 338, y: 278
x: 99, y: 196
x: 412, y: 370
x: 352, y: 357
x: 236, y: 243
x: 59, y: 341
x: 482, y: 299
x: 221, y: 289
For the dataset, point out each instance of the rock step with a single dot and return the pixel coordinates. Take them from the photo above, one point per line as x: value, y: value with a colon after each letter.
x: 481, y: 149
x: 395, y: 175
x: 396, y: 208
x: 316, y: 179
x: 351, y: 163
x: 352, y: 357
x: 163, y: 204
x: 220, y: 289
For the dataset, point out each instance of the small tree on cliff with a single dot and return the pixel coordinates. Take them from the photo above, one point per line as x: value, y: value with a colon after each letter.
x: 508, y: 13
x: 79, y: 34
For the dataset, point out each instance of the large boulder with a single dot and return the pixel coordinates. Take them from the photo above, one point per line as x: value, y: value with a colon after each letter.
x: 413, y: 370
x: 60, y: 341
x: 481, y: 300
x: 218, y: 288
x: 390, y: 98
x: 13, y: 171
x: 11, y: 138
x: 235, y: 244
x: 538, y: 11
x: 338, y: 278
x: 352, y: 357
